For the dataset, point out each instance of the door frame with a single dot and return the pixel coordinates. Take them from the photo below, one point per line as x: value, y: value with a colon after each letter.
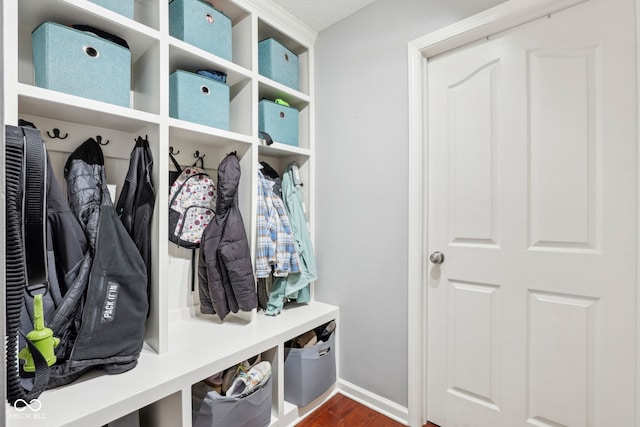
x: 492, y: 21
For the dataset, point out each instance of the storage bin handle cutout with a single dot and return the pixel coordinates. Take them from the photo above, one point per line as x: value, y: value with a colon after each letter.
x: 91, y: 51
x: 324, y: 351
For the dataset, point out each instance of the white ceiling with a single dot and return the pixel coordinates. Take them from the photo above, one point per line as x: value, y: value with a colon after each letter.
x: 320, y: 14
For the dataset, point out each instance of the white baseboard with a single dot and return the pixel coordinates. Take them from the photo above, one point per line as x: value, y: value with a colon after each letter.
x: 373, y: 401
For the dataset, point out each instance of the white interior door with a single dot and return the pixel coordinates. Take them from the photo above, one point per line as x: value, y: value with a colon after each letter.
x: 532, y: 201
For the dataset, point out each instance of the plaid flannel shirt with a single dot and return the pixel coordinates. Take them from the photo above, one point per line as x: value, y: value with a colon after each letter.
x: 275, y: 248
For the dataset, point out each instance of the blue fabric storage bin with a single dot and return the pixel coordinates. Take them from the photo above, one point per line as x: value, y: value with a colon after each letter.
x: 198, y: 99
x: 214, y: 410
x: 278, y: 63
x: 123, y: 7
x: 200, y: 24
x: 309, y: 372
x: 80, y: 63
x: 279, y: 121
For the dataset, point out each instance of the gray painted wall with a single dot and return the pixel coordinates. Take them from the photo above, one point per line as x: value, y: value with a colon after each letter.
x: 361, y: 199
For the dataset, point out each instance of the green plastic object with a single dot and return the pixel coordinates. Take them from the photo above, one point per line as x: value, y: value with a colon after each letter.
x: 41, y: 337
x: 282, y: 102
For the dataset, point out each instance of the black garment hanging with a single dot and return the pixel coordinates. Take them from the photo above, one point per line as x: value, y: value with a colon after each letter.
x: 137, y: 200
x: 268, y: 171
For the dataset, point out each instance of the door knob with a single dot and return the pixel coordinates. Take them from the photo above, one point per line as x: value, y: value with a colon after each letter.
x: 436, y: 257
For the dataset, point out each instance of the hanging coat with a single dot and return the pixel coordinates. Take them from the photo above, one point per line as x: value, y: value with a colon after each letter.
x: 66, y: 250
x: 294, y: 285
x: 107, y: 302
x: 225, y: 273
x: 275, y: 250
x: 137, y: 200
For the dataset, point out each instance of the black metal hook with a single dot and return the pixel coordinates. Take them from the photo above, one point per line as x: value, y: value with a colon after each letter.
x: 200, y: 158
x: 56, y: 134
x: 173, y: 152
x: 99, y: 140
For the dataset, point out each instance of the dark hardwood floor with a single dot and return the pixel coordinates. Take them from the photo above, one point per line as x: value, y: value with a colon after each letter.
x: 340, y: 411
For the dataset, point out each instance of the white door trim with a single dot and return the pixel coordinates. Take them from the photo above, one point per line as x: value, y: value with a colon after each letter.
x: 500, y: 18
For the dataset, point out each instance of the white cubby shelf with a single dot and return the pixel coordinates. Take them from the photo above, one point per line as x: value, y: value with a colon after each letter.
x: 182, y: 346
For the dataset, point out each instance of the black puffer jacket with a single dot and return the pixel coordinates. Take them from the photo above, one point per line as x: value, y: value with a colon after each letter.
x: 69, y: 263
x: 225, y: 271
x: 109, y: 304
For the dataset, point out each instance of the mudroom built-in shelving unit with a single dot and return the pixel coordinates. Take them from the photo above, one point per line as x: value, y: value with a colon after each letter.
x: 182, y: 346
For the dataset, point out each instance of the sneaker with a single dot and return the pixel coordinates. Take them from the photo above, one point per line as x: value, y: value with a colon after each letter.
x: 231, y: 374
x: 247, y: 382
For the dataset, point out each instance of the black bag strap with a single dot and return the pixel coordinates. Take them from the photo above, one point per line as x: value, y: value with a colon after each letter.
x: 199, y: 158
x: 267, y: 138
x: 193, y: 270
x: 24, y: 152
x: 35, y: 207
x: 175, y: 162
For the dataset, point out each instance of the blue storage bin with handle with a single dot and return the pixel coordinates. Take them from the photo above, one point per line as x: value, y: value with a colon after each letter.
x: 123, y: 7
x: 198, y: 99
x: 278, y: 63
x: 81, y: 63
x: 279, y: 121
x: 200, y: 24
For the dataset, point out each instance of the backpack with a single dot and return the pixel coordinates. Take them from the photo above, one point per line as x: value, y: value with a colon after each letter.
x: 192, y: 200
x: 94, y: 301
x: 26, y: 269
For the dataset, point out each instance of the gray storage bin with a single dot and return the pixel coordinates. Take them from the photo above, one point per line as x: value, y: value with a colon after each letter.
x: 213, y: 410
x: 309, y: 372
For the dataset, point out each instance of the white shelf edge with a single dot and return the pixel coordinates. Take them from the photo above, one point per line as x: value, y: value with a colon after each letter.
x: 207, y: 132
x: 278, y: 149
x: 207, y: 56
x: 272, y: 84
x: 62, y: 103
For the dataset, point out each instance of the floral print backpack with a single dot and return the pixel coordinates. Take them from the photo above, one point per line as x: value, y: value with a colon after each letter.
x: 192, y: 200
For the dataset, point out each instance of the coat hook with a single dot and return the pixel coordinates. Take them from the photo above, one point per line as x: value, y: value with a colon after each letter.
x: 56, y: 134
x: 200, y: 158
x: 173, y: 152
x: 99, y: 139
